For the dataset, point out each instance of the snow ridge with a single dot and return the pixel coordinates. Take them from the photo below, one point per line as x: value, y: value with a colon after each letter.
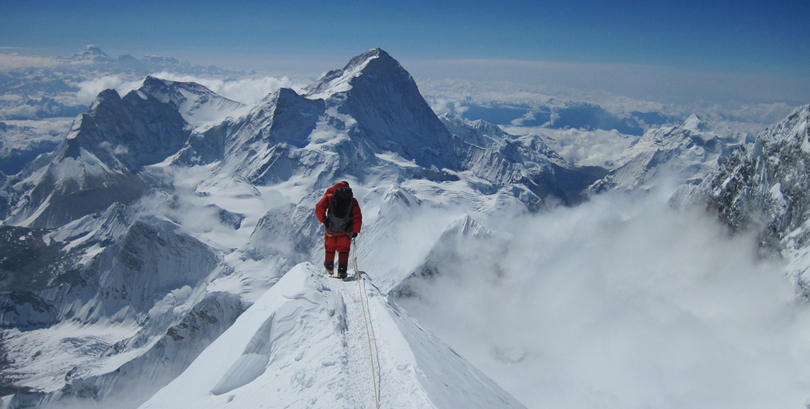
x: 304, y: 344
x: 336, y: 81
x: 199, y: 106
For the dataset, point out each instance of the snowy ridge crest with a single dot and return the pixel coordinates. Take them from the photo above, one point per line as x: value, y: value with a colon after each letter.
x: 304, y: 344
x: 199, y: 106
x: 336, y: 81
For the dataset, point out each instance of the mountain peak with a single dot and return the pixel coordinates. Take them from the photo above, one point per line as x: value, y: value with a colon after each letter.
x: 337, y: 81
x: 91, y: 54
x: 384, y: 100
x: 161, y: 88
x: 198, y: 105
x: 363, y: 59
x: 695, y: 123
x: 105, y: 96
x: 92, y: 49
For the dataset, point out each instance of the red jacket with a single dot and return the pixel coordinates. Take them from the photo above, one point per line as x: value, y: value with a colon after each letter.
x: 323, y: 204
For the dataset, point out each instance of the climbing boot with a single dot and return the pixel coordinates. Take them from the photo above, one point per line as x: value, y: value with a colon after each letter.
x: 341, y: 272
x: 329, y: 268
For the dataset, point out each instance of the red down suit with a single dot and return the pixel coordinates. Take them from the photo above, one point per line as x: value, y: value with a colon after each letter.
x: 338, y: 241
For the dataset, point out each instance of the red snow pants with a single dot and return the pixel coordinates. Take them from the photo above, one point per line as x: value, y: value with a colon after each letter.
x: 340, y: 244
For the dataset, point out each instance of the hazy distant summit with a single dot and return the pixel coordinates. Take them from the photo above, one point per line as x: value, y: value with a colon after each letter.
x: 91, y: 54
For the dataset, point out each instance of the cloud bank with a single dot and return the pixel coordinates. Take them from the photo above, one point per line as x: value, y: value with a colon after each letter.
x: 14, y: 61
x: 581, y: 147
x: 619, y: 88
x: 248, y: 91
x: 623, y: 303
x: 89, y: 89
x: 642, y: 82
x: 245, y: 90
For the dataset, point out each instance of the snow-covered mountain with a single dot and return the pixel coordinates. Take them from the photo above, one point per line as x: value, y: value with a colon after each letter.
x: 91, y: 55
x: 687, y: 153
x: 371, y: 112
x: 167, y: 212
x: 101, y: 159
x: 199, y: 106
x: 165, y: 253
x: 41, y: 96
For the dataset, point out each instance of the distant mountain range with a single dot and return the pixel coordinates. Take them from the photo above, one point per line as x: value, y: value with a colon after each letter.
x: 40, y: 100
x: 556, y: 114
x: 48, y: 92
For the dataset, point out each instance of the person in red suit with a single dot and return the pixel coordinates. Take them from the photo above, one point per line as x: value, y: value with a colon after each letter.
x: 339, y: 212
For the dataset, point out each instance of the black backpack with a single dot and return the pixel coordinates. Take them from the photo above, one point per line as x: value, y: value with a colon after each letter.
x: 339, y: 212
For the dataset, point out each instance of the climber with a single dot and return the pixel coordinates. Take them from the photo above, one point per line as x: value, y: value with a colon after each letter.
x: 340, y: 213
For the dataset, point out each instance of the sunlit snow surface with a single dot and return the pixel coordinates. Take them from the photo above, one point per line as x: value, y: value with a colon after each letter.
x: 51, y: 352
x: 304, y: 343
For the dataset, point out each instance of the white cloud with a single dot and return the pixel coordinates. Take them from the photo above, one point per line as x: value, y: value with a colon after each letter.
x: 245, y: 90
x: 446, y: 106
x: 19, y: 111
x: 89, y: 90
x: 624, y: 303
x: 121, y: 150
x: 746, y: 102
x: 581, y: 147
x: 643, y: 82
x: 14, y: 61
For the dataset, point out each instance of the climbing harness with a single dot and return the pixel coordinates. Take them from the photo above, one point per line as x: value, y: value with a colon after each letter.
x: 366, y: 317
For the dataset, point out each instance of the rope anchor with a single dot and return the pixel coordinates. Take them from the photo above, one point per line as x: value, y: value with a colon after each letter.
x: 366, y: 318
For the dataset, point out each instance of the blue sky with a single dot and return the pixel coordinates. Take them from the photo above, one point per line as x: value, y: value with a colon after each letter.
x: 747, y: 36
x: 744, y: 38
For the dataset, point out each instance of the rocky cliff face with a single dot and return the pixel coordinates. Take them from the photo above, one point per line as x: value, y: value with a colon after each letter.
x: 389, y: 111
x: 765, y: 187
x: 99, y: 162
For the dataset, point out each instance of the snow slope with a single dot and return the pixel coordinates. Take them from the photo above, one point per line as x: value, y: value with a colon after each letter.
x: 304, y: 344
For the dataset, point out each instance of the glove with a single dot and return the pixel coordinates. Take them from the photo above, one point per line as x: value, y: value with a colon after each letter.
x: 354, y: 234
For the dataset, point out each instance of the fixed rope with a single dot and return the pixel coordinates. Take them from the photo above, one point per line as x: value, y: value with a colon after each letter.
x: 366, y: 317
